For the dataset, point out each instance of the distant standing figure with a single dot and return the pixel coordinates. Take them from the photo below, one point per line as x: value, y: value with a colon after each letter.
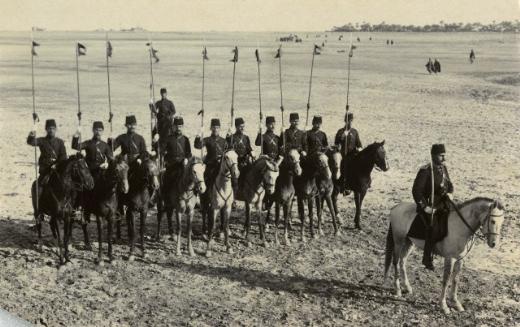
x: 391, y: 42
x: 358, y: 39
x: 387, y: 42
x: 437, y: 66
x: 429, y: 65
x: 370, y: 38
x: 472, y: 56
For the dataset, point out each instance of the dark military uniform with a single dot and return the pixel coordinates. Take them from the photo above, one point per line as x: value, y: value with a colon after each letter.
x: 165, y: 112
x: 242, y: 146
x: 176, y: 148
x: 97, y: 152
x: 348, y: 144
x: 295, y: 139
x: 215, y: 148
x: 271, y: 144
x: 132, y: 144
x: 316, y: 141
x: 52, y: 151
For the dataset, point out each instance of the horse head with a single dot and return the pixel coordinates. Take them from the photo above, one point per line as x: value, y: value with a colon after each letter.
x: 119, y: 167
x: 294, y: 161
x: 151, y: 171
x: 230, y: 162
x: 197, y: 168
x: 269, y: 170
x: 380, y: 158
x: 491, y: 223
x: 322, y: 165
x: 334, y: 162
x: 80, y: 172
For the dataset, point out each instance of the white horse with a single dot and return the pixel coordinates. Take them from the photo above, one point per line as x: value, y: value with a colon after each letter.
x: 464, y: 222
x: 221, y: 197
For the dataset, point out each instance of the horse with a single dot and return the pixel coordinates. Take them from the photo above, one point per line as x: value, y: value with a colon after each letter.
x: 180, y: 193
x: 306, y: 189
x: 57, y: 197
x: 220, y: 197
x: 356, y: 170
x: 464, y: 221
x: 102, y: 201
x: 143, y: 181
x: 259, y: 179
x: 326, y: 188
x: 284, y: 192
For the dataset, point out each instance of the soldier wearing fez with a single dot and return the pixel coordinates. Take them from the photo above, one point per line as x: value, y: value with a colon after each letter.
x: 349, y: 144
x: 293, y: 136
x: 269, y: 141
x: 215, y: 148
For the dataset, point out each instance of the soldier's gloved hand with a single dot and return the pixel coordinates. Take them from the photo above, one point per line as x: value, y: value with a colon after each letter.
x: 303, y: 153
x: 185, y: 162
x: 428, y: 210
x: 153, y: 153
x: 32, y: 133
x: 156, y: 138
x: 450, y: 196
x: 139, y: 161
x: 104, y: 165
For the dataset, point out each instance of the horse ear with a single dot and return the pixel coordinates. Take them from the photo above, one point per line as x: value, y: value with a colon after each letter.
x: 383, y: 143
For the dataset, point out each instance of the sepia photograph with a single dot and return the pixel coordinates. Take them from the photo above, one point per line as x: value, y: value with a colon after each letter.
x: 259, y: 163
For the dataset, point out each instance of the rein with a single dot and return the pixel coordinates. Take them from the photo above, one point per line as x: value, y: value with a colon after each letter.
x: 473, y: 231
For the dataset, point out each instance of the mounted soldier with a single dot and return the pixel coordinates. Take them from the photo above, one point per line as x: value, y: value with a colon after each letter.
x: 177, y: 149
x: 294, y: 137
x: 97, y: 151
x: 215, y: 148
x: 52, y: 151
x: 422, y: 193
x: 269, y: 141
x: 132, y: 144
x: 316, y: 139
x: 349, y: 144
x: 165, y: 111
x: 241, y: 144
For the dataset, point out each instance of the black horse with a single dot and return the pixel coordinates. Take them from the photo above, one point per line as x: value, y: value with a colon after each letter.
x: 357, y: 169
x: 102, y: 201
x: 57, y: 199
x: 143, y: 183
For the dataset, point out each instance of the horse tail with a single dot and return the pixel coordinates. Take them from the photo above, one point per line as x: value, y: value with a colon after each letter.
x: 389, y: 249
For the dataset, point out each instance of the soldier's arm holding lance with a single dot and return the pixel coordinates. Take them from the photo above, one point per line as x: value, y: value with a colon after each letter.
x: 32, y: 140
x: 199, y: 142
x: 75, y: 141
x: 258, y: 140
x: 359, y: 146
x: 114, y: 143
x: 62, y: 152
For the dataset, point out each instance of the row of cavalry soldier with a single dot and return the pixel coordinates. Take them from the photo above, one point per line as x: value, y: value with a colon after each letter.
x: 297, y: 165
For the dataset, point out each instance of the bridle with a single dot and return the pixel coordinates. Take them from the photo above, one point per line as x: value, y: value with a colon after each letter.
x: 227, y: 176
x: 196, y: 182
x: 486, y: 221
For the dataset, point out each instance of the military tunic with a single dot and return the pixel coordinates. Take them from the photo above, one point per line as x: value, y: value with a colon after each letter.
x: 52, y: 151
x: 316, y: 141
x: 165, y: 112
x: 422, y: 186
x: 351, y: 140
x: 215, y: 148
x: 97, y: 151
x: 132, y: 144
x: 176, y: 148
x: 271, y: 144
x: 240, y: 143
x: 295, y: 139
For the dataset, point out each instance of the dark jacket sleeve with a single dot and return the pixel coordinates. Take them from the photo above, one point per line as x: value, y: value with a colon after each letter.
x: 249, y: 149
x: 258, y: 141
x: 229, y: 138
x: 114, y: 143
x: 338, y: 140
x: 419, y: 186
x: 325, y: 140
x: 305, y: 147
x: 198, y: 143
x: 62, y: 152
x: 32, y: 140
x: 358, y: 140
x: 188, y: 148
x: 142, y: 148
x: 76, y: 145
x: 449, y: 187
x: 108, y: 153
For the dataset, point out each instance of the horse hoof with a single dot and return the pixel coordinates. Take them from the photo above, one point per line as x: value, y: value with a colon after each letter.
x: 320, y: 232
x: 192, y: 253
x: 398, y: 293
x: 131, y: 258
x: 209, y: 254
x: 205, y: 237
x: 221, y: 235
x: 459, y: 307
x: 337, y: 233
x: 446, y: 310
x: 144, y: 255
x: 248, y: 244
x: 178, y: 253
x: 304, y: 240
x: 287, y: 242
x: 100, y: 263
x: 229, y: 251
x: 277, y: 243
x: 112, y: 261
x: 314, y: 236
x: 266, y: 244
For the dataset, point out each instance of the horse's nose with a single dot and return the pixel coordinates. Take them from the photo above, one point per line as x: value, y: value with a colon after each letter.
x: 202, y: 188
x: 126, y: 187
x: 492, y: 245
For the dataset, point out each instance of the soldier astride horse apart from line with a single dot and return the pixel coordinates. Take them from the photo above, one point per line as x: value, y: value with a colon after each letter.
x: 297, y: 165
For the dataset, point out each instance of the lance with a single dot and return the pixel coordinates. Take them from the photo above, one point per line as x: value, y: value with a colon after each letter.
x: 80, y: 51
x: 433, y: 188
x: 35, y: 120
x: 347, y: 107
x: 314, y: 52
x: 279, y: 57
x: 258, y: 61
x: 201, y: 112
x: 234, y: 60
x: 153, y: 117
x: 110, y: 114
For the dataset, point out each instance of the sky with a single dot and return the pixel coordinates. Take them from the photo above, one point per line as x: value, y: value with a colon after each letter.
x: 244, y: 15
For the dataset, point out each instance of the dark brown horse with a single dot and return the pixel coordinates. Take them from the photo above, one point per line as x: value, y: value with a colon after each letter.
x: 102, y: 201
x: 357, y: 170
x: 284, y: 192
x: 315, y: 165
x: 143, y: 180
x: 57, y: 198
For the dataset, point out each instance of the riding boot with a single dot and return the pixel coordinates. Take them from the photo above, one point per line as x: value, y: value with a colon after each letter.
x: 428, y: 250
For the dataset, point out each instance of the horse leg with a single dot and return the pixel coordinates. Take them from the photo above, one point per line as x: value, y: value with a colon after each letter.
x: 110, y: 224
x: 276, y: 221
x: 261, y: 225
x: 142, y: 229
x: 39, y: 230
x: 169, y: 215
x: 405, y: 251
x: 359, y: 201
x: 131, y: 233
x: 333, y: 213
x: 100, y: 241
x: 86, y: 238
x: 225, y: 218
x: 395, y: 261
x: 287, y: 218
x: 319, y: 213
x: 160, y: 213
x: 455, y: 284
x: 247, y: 226
x: 190, y: 220
x: 334, y: 198
x: 310, y: 205
x: 178, y: 220
x: 301, y: 213
x: 211, y: 224
x: 55, y: 226
x: 66, y: 236
x: 448, y: 269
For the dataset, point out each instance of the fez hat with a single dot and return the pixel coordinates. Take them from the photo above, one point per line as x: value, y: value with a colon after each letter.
x: 98, y: 124
x: 349, y: 116
x: 269, y: 120
x: 316, y: 120
x: 438, y: 149
x: 293, y: 116
x: 163, y: 90
x: 50, y: 123
x: 215, y: 122
x: 178, y: 121
x: 239, y: 121
x: 130, y: 120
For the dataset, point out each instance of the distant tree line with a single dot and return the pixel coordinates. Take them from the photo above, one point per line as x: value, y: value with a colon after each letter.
x: 505, y: 26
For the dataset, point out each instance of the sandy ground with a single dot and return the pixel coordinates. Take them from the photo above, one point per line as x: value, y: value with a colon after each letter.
x: 474, y: 109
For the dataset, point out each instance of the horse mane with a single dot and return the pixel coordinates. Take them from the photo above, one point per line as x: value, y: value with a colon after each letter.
x: 371, y: 147
x: 480, y: 199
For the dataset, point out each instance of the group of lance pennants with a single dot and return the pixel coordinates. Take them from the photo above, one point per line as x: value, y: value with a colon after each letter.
x: 136, y: 185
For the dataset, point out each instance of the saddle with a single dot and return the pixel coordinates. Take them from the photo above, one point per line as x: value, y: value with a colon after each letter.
x: 439, y: 229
